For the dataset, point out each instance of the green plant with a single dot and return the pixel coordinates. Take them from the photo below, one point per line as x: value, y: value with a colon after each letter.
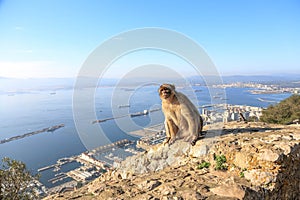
x: 220, y: 162
x: 204, y: 165
x: 284, y: 112
x: 16, y: 181
x: 242, y: 175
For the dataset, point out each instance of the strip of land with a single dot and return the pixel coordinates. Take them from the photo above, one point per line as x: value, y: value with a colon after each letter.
x: 48, y: 129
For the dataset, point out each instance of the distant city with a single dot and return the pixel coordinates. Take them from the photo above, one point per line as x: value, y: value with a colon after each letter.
x: 263, y: 88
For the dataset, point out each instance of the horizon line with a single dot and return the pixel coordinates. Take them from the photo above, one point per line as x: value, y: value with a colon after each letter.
x: 225, y: 75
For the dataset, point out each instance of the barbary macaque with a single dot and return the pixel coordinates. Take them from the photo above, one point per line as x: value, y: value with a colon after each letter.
x: 182, y: 119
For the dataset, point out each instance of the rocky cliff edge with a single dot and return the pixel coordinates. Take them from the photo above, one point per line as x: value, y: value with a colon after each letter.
x: 236, y: 160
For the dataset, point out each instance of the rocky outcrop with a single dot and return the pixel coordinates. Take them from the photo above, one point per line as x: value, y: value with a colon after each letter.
x: 262, y: 161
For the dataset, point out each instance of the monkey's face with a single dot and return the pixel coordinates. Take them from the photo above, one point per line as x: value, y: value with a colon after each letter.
x: 166, y: 90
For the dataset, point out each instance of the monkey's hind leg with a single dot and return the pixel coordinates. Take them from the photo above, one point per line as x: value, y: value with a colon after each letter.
x: 199, y: 134
x: 192, y: 139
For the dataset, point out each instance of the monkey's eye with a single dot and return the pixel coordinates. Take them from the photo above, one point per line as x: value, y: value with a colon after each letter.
x: 166, y: 89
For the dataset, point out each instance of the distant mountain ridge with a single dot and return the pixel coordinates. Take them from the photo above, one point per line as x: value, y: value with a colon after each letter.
x: 43, y: 84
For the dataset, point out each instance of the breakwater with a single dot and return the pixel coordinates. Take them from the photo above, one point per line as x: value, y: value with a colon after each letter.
x: 145, y: 112
x: 48, y: 129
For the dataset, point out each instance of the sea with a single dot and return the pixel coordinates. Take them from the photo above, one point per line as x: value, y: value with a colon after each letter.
x: 30, y: 110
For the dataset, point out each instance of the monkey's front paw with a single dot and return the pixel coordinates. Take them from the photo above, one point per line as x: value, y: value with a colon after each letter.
x: 166, y: 141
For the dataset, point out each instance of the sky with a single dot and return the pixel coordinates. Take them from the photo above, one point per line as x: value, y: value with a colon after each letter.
x: 53, y: 38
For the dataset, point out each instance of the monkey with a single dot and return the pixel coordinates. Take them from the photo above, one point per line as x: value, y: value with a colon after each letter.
x: 182, y: 119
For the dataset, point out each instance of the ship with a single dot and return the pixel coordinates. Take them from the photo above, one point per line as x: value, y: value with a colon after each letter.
x: 145, y: 112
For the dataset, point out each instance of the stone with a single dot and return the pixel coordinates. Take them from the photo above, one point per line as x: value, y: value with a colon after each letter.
x: 268, y: 155
x: 287, y: 137
x: 296, y: 136
x: 234, y: 191
x: 191, y: 195
x: 168, y: 190
x: 198, y: 150
x: 285, y: 147
x: 259, y: 177
x: 149, y: 185
x: 241, y: 160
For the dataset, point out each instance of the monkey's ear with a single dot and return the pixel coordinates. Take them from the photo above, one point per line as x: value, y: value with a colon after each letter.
x: 172, y: 86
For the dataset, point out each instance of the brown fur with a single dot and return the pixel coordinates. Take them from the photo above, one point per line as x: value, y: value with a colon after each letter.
x: 182, y: 119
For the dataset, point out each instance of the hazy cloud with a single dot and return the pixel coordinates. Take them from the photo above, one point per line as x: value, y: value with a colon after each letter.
x: 19, y: 28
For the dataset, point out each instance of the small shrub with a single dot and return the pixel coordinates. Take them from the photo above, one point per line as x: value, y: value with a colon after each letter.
x: 204, y: 165
x: 220, y: 162
x: 242, y: 175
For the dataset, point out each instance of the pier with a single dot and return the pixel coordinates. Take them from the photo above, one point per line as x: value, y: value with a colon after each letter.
x: 46, y: 168
x: 59, y: 177
x: 48, y: 129
x: 149, y: 130
x: 108, y: 147
x: 58, y: 164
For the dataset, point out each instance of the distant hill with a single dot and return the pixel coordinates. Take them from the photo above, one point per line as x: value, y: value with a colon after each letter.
x: 285, y: 112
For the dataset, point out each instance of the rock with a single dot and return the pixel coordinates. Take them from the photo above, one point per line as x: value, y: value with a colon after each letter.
x: 268, y: 155
x: 168, y: 190
x: 157, y: 158
x: 234, y: 191
x: 191, y: 195
x: 259, y: 177
x: 242, y: 160
x: 285, y: 147
x: 296, y: 136
x: 199, y: 149
x: 287, y: 137
x: 149, y: 185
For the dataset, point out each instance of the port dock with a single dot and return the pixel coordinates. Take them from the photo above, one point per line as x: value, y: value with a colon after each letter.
x: 148, y: 130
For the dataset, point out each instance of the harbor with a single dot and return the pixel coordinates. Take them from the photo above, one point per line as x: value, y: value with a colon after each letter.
x: 92, y: 164
x: 89, y: 164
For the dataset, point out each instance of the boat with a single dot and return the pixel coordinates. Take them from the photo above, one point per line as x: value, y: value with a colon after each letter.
x: 124, y: 106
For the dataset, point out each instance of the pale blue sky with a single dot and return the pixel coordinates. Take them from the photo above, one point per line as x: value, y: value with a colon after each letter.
x: 52, y: 38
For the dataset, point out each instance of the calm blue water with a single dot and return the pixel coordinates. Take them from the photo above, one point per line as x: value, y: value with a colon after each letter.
x: 26, y: 112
